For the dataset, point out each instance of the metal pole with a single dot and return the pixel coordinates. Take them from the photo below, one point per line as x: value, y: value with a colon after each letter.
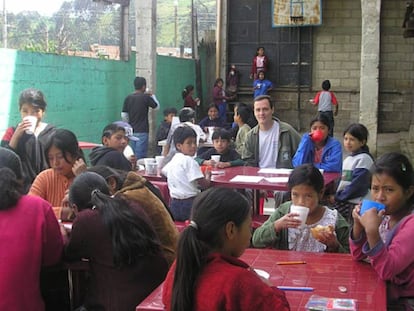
x: 175, y: 23
x: 4, y: 25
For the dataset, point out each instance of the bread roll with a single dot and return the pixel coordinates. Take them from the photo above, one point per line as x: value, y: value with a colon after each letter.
x: 317, y: 231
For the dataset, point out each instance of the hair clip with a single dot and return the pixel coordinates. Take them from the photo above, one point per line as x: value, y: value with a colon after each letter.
x: 95, y: 192
x: 403, y: 167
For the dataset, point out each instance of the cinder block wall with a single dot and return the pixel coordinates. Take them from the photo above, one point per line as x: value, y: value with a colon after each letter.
x: 336, y: 56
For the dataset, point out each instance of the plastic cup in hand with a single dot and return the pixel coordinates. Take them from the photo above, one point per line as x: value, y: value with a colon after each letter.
x: 317, y: 136
x: 33, y: 121
x: 368, y: 204
x: 302, y: 211
x: 216, y: 159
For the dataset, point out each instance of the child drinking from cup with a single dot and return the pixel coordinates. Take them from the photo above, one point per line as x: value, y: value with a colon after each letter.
x: 29, y: 145
x: 283, y: 230
x: 207, y: 274
x: 228, y: 156
x: 356, y: 176
x: 184, y: 177
x: 385, y: 237
x: 325, y: 152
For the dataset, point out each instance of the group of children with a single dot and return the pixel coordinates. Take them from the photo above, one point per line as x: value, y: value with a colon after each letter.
x: 110, y: 195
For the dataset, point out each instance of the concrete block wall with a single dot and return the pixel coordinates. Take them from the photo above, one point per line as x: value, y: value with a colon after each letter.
x: 336, y: 56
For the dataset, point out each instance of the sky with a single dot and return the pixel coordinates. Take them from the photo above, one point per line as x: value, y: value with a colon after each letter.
x: 44, y: 7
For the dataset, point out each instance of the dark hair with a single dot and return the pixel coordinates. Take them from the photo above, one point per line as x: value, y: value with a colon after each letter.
x: 261, y: 71
x: 244, y: 112
x: 169, y: 110
x: 181, y: 133
x: 11, y: 160
x: 397, y: 166
x: 260, y: 47
x: 187, y: 90
x: 10, y: 189
x: 186, y: 114
x: 211, y: 211
x: 33, y: 97
x: 212, y: 106
x: 326, y: 85
x: 262, y: 97
x: 360, y: 132
x: 139, y: 83
x: 320, y: 118
x: 217, y: 81
x: 120, y: 176
x: 131, y: 233
x: 65, y: 141
x: 111, y: 129
x: 306, y: 174
x: 221, y: 133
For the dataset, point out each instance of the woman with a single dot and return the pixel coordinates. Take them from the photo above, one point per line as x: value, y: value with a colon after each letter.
x: 284, y: 231
x: 208, y: 274
x: 63, y: 154
x: 317, y: 147
x: 126, y: 262
x: 28, y: 145
x: 137, y: 190
x: 385, y: 237
x: 30, y: 239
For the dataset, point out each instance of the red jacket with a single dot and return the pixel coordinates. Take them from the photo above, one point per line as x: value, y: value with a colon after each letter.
x: 226, y: 283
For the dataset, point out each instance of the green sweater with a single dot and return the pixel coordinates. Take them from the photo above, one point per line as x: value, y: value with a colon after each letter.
x: 266, y: 236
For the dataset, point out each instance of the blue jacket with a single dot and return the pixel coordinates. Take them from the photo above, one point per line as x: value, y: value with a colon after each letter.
x: 331, y: 160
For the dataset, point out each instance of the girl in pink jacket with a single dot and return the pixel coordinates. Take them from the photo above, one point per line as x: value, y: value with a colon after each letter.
x: 385, y: 236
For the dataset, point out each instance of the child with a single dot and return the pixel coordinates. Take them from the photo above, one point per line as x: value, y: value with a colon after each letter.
x: 241, y: 116
x: 187, y: 95
x: 259, y: 63
x: 207, y: 274
x: 282, y: 229
x: 356, y: 176
x: 232, y: 81
x: 228, y: 156
x: 30, y: 239
x: 261, y: 86
x: 63, y: 154
x: 212, y: 118
x: 184, y: 176
x: 220, y: 98
x: 326, y: 102
x: 164, y: 128
x: 30, y: 147
x: 123, y: 251
x: 115, y: 137
x: 325, y: 152
x: 386, y: 237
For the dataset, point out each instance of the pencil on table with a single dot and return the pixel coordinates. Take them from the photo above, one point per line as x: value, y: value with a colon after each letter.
x: 290, y: 262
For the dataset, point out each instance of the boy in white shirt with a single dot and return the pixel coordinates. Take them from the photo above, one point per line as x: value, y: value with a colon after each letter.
x: 184, y: 177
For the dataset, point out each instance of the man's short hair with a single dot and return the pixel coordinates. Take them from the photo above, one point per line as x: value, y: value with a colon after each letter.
x: 139, y: 83
x: 186, y: 114
x: 262, y: 97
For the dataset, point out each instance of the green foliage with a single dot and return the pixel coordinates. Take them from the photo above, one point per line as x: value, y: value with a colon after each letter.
x: 80, y: 23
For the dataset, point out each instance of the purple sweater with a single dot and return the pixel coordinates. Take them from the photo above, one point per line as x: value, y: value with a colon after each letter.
x: 392, y: 260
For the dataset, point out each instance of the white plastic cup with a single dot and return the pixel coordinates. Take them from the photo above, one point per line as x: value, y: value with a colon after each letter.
x: 215, y: 158
x: 151, y: 168
x: 303, y: 212
x: 33, y: 121
x: 159, y: 160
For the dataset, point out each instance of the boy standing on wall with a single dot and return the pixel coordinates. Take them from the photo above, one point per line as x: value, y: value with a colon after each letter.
x: 326, y: 101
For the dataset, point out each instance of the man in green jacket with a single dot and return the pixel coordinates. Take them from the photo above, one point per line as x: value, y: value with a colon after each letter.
x: 272, y: 143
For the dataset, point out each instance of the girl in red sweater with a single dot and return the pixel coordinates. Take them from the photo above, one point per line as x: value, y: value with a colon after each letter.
x: 207, y: 274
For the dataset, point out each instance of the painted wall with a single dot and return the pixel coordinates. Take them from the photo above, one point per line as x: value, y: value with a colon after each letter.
x: 83, y: 94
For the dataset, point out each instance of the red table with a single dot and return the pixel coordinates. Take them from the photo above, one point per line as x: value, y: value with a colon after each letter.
x: 322, y: 271
x: 87, y: 145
